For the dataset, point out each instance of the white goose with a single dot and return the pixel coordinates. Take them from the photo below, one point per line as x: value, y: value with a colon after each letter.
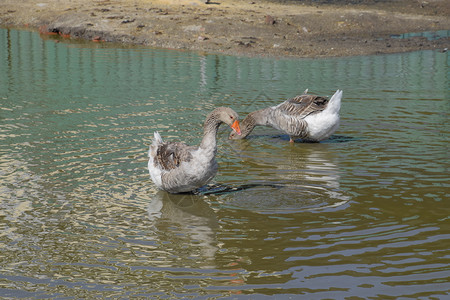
x: 309, y: 117
x: 177, y: 168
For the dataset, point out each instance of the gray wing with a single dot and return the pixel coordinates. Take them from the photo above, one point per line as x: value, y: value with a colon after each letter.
x: 170, y: 155
x: 302, y: 106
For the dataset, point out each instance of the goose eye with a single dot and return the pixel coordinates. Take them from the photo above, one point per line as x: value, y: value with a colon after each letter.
x: 231, y: 117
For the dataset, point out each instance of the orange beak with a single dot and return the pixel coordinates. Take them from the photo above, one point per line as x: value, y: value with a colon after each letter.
x: 236, y: 127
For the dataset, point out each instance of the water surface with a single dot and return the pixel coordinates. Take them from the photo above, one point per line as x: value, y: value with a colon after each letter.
x: 364, y: 213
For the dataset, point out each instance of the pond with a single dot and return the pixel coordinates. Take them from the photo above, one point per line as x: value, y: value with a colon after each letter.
x: 364, y: 213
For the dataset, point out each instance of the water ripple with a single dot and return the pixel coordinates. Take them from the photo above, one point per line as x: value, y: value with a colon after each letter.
x: 363, y: 214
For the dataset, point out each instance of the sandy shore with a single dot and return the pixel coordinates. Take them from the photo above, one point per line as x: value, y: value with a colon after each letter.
x: 246, y: 27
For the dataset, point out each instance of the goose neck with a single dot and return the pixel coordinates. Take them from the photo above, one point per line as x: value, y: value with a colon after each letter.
x: 209, y: 132
x: 253, y: 119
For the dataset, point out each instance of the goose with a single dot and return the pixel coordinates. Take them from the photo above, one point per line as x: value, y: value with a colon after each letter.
x: 178, y: 168
x: 309, y: 117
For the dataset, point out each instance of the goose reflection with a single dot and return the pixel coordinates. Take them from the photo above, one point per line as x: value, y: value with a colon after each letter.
x: 188, y: 221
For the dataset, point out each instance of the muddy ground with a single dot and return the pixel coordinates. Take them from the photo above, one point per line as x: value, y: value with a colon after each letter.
x: 310, y: 28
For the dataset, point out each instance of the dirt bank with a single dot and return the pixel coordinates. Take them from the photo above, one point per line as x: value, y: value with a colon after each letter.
x: 251, y: 27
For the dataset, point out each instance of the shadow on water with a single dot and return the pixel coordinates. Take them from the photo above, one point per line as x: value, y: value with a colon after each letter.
x: 341, y: 139
x: 332, y: 139
x: 216, y: 189
x: 285, y: 137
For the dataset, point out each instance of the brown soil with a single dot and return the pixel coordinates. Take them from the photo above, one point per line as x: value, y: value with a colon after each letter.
x: 310, y: 28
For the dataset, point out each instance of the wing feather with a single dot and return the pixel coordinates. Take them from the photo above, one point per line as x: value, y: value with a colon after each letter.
x: 170, y: 155
x: 303, y: 105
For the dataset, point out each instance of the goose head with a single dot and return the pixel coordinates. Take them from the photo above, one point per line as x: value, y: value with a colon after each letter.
x: 246, y: 127
x: 227, y: 116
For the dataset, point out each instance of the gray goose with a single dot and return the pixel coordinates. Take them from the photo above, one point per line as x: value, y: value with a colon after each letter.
x: 309, y: 117
x: 177, y: 168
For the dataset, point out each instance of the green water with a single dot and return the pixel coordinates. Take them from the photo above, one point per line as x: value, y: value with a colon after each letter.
x: 363, y: 214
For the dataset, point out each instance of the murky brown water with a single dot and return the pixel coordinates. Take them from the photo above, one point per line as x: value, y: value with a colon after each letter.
x: 363, y: 214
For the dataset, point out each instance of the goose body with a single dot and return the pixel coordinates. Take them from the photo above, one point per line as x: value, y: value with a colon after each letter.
x: 309, y: 117
x: 176, y: 167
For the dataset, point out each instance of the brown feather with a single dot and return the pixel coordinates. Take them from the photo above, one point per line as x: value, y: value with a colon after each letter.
x: 304, y: 105
x: 170, y: 155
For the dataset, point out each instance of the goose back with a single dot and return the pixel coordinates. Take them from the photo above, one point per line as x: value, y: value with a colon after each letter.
x: 303, y: 105
x: 170, y: 155
x: 190, y: 174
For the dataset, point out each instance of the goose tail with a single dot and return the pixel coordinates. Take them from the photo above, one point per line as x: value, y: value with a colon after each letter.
x: 157, y: 140
x: 334, y: 105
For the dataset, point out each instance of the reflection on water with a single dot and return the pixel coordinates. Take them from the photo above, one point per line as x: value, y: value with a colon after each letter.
x: 362, y: 214
x: 295, y: 179
x: 191, y: 220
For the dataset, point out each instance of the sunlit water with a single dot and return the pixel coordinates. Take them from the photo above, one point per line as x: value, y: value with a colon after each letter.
x: 365, y: 213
